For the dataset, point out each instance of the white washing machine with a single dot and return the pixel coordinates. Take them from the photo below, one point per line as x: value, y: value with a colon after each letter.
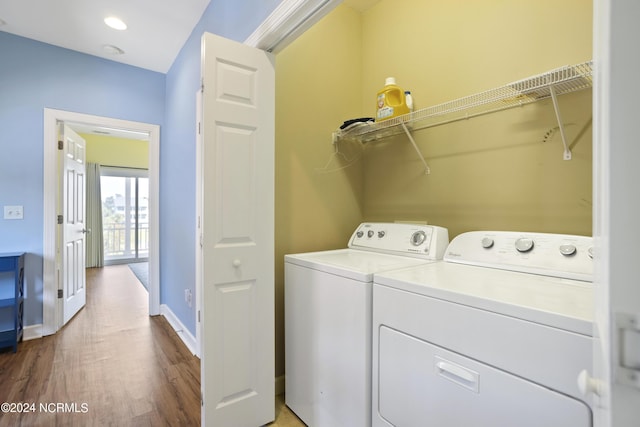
x: 495, y: 335
x: 328, y: 299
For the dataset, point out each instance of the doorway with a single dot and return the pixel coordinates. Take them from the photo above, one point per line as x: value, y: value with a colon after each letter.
x: 52, y: 118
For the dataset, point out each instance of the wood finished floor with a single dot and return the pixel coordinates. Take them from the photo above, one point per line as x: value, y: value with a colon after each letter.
x: 117, y: 365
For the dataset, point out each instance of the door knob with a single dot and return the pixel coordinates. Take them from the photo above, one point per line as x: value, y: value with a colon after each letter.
x: 587, y: 384
x: 86, y: 230
x: 236, y: 263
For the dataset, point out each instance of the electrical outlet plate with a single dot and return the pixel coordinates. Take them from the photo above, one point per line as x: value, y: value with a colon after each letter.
x: 13, y: 212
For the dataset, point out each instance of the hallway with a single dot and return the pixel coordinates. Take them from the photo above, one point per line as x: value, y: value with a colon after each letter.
x: 110, y: 365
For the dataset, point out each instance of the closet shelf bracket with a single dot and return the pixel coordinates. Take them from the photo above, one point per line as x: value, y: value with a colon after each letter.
x: 427, y: 171
x: 554, y: 97
x: 553, y: 83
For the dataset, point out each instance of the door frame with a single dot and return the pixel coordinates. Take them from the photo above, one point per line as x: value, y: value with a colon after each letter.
x: 50, y: 301
x: 198, y: 219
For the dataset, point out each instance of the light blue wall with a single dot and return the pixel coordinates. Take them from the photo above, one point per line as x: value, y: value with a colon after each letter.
x: 33, y: 76
x: 236, y: 20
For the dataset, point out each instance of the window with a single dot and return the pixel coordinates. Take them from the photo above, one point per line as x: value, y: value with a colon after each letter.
x: 125, y: 210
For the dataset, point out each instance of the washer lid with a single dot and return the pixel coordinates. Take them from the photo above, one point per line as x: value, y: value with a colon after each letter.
x: 352, y: 263
x: 561, y: 303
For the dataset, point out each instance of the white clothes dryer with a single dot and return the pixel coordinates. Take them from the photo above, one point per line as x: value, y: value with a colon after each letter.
x: 328, y: 298
x: 495, y: 335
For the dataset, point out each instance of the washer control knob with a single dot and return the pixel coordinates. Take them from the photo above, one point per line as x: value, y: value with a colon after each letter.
x: 524, y: 244
x: 418, y: 238
x: 587, y: 384
x: 381, y: 234
x: 360, y: 233
x: 567, y: 250
x: 590, y: 252
x: 487, y: 242
x: 370, y: 233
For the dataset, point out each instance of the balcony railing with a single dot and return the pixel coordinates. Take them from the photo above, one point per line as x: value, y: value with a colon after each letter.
x: 119, y: 241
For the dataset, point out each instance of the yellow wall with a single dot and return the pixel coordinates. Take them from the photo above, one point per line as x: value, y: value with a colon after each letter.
x: 317, y: 88
x: 123, y: 152
x: 492, y: 172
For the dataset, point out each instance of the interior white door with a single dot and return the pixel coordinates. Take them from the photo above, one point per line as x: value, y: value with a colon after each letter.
x: 238, y: 381
x: 616, y: 383
x: 72, y: 246
x: 198, y: 260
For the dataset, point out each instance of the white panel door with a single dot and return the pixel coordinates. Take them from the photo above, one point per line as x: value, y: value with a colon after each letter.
x: 72, y: 256
x: 238, y: 238
x: 198, y: 260
x: 616, y: 386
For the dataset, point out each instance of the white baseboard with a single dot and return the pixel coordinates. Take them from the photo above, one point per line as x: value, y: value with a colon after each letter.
x: 190, y: 341
x: 184, y: 334
x: 32, y: 332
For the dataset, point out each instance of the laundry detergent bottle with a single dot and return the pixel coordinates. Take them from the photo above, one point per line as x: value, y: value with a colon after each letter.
x: 391, y: 101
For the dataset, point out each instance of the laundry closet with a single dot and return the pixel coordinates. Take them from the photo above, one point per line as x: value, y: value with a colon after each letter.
x: 502, y: 171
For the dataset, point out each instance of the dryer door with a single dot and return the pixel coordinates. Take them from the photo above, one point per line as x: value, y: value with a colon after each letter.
x: 423, y: 384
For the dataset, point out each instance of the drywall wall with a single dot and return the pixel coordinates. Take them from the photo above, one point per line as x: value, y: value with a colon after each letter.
x: 35, y: 76
x: 112, y: 151
x: 500, y: 171
x: 318, y: 192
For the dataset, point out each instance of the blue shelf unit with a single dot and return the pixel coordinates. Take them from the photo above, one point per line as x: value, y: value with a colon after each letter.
x: 11, y: 299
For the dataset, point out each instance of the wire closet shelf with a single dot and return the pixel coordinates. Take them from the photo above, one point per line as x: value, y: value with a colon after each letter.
x: 556, y: 82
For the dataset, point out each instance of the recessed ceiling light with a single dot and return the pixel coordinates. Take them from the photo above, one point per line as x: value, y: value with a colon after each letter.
x: 112, y: 50
x: 115, y: 23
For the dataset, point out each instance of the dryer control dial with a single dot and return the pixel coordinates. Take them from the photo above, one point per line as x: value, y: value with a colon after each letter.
x: 568, y: 249
x: 487, y: 242
x: 418, y: 238
x: 524, y: 244
x: 554, y: 255
x: 370, y: 233
x: 381, y: 233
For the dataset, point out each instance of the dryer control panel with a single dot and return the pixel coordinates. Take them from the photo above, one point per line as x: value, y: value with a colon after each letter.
x: 556, y: 255
x: 416, y: 240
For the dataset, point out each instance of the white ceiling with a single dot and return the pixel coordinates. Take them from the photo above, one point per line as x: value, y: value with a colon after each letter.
x: 157, y: 29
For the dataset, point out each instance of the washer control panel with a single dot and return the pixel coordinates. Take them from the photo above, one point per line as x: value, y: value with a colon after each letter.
x: 416, y: 240
x: 557, y: 255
